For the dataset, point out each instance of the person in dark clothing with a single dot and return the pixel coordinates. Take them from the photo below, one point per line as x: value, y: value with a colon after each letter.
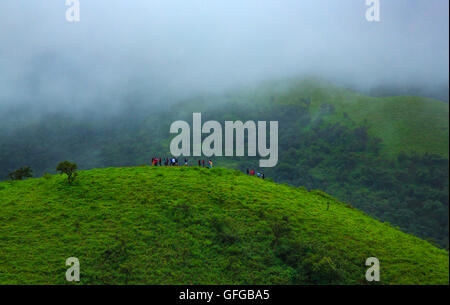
x: 199, y: 163
x: 203, y: 162
x: 159, y: 161
x: 263, y: 176
x: 248, y: 171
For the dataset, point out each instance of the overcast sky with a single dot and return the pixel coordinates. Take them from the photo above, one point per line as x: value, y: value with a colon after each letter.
x: 176, y: 48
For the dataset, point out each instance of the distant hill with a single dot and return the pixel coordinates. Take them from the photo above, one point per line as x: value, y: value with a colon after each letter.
x: 404, y: 123
x: 190, y: 225
x: 436, y: 91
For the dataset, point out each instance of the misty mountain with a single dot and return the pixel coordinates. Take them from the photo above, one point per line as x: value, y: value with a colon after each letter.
x: 386, y: 156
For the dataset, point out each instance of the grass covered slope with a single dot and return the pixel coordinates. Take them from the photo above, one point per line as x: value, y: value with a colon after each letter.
x: 404, y: 123
x: 192, y: 225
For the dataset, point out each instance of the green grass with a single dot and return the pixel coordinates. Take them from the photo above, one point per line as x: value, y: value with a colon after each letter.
x: 404, y: 123
x: 192, y: 225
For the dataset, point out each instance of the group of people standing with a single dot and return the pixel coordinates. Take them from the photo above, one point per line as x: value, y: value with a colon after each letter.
x: 167, y: 162
x: 251, y: 172
x: 175, y: 162
x: 201, y: 163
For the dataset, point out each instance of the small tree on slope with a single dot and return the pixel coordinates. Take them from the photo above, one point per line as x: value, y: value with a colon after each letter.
x: 23, y: 172
x: 69, y: 169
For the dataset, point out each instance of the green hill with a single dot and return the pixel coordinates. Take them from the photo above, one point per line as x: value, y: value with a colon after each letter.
x: 197, y: 226
x: 387, y: 156
x: 403, y: 123
x: 330, y: 138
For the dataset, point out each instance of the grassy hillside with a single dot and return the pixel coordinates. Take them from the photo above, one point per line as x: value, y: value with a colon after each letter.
x: 404, y: 123
x: 387, y: 156
x: 330, y: 138
x: 197, y: 226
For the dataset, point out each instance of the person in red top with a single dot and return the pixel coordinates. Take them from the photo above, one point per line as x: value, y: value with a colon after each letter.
x: 203, y: 162
x: 251, y: 172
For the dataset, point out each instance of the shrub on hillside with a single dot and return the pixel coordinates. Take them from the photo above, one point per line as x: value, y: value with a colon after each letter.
x: 23, y: 172
x: 69, y: 169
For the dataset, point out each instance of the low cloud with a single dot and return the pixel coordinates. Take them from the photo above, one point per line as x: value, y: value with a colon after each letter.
x: 159, y: 51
